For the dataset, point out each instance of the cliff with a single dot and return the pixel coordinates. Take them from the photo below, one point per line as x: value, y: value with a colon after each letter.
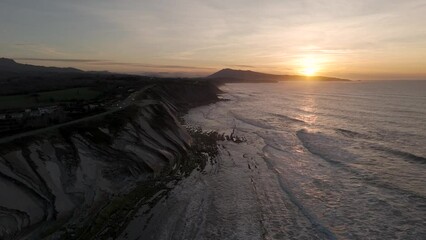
x: 67, y: 174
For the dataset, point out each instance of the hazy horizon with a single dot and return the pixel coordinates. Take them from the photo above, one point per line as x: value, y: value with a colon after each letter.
x: 274, y: 119
x: 357, y: 40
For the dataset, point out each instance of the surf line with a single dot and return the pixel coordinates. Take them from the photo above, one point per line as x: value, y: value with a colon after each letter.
x: 311, y: 218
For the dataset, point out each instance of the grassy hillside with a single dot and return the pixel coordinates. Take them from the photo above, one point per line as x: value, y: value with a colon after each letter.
x: 47, y: 98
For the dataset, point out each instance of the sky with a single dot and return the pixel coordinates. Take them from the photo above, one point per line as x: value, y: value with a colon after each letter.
x: 355, y: 39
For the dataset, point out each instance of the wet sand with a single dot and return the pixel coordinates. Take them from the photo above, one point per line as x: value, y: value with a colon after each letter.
x: 234, y: 197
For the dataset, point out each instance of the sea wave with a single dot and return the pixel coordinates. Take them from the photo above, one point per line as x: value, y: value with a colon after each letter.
x: 311, y: 217
x: 402, y: 154
x: 253, y: 122
x: 349, y: 133
x: 287, y: 118
x: 327, y: 149
x: 324, y: 146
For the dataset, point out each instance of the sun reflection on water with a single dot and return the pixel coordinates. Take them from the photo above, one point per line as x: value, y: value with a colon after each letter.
x: 309, y: 109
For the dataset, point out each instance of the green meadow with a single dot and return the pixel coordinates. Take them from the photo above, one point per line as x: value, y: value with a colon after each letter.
x: 47, y: 98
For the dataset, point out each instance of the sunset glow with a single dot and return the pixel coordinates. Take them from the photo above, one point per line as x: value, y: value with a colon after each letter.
x: 309, y: 71
x: 368, y: 39
x: 309, y: 66
x: 212, y: 119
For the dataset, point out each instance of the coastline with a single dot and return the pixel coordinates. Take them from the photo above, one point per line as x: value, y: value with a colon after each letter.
x: 296, y: 176
x: 108, y: 167
x: 235, y: 196
x: 195, y: 206
x: 244, y: 174
x: 198, y: 207
x: 200, y: 157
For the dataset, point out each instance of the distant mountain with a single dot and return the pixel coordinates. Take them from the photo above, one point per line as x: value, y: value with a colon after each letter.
x: 232, y: 75
x: 17, y: 78
x: 9, y: 66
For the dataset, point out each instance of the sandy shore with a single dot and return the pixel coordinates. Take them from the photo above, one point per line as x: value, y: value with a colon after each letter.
x: 216, y: 203
x: 236, y: 196
x: 295, y: 176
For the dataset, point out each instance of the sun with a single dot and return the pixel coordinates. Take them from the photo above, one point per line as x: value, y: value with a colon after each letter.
x: 309, y: 66
x: 309, y: 71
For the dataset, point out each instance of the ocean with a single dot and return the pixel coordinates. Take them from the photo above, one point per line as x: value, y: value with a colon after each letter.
x: 325, y: 160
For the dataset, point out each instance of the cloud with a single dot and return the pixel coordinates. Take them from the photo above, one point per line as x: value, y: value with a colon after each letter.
x: 112, y: 63
x: 193, y: 35
x: 61, y: 60
x: 40, y: 49
x: 243, y: 66
x: 102, y: 62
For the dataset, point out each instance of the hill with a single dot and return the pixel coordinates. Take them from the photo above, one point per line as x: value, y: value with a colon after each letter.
x: 9, y: 66
x: 232, y: 75
x: 17, y: 78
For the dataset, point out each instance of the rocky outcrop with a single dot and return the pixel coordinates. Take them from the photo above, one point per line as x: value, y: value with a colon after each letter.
x: 63, y: 175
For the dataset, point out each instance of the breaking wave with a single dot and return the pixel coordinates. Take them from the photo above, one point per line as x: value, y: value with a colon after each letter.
x: 402, y: 154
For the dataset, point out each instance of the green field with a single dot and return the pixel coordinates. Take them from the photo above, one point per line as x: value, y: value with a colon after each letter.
x: 47, y: 98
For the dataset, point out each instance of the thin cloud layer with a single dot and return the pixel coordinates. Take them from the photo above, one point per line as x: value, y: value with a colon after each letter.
x: 371, y: 38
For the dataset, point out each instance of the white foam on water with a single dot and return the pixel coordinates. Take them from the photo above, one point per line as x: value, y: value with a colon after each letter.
x: 341, y: 164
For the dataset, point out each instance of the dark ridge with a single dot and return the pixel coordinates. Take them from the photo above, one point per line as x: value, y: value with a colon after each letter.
x: 232, y: 75
x: 10, y: 66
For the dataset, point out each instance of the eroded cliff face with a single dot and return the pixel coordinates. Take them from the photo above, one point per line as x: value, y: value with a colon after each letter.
x: 64, y: 175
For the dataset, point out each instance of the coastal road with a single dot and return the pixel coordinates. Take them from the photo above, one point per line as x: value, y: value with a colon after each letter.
x: 131, y: 99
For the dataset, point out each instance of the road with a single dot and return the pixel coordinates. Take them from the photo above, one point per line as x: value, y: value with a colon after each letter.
x: 131, y: 99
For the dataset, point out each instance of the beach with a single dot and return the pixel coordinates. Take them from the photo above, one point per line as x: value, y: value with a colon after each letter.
x: 299, y: 173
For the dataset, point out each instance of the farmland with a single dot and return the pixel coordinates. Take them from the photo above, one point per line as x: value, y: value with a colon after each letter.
x: 47, y: 98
